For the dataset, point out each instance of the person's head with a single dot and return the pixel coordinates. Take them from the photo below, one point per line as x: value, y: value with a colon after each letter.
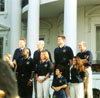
x: 74, y: 60
x: 22, y: 43
x: 82, y: 46
x: 8, y: 81
x: 7, y: 57
x: 61, y: 39
x: 40, y: 44
x: 2, y: 94
x: 25, y: 52
x: 44, y: 56
x: 59, y: 70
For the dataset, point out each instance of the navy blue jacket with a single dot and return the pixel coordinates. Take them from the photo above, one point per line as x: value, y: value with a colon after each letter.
x: 44, y: 68
x: 86, y: 55
x: 36, y: 56
x: 63, y: 55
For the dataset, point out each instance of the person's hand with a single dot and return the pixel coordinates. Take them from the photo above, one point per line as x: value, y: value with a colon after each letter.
x: 7, y: 59
x: 14, y: 62
x: 29, y: 83
x: 57, y: 88
x: 40, y: 80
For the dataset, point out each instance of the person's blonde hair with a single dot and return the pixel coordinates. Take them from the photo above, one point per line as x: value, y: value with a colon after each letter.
x: 7, y: 55
x: 83, y: 43
x: 46, y: 55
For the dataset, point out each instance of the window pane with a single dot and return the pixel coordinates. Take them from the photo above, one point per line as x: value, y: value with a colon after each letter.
x: 2, y: 5
x: 98, y: 43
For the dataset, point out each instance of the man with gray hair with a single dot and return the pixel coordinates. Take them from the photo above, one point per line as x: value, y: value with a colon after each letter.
x: 36, y: 58
x: 36, y: 55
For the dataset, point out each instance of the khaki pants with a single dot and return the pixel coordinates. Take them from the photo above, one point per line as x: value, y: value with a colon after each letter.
x: 43, y: 88
x: 88, y: 83
x: 76, y: 90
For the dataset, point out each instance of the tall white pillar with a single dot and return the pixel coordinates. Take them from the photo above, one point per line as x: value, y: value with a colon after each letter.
x: 33, y: 24
x: 70, y: 23
x: 15, y: 24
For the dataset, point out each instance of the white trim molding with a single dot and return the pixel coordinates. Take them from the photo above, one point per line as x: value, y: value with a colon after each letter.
x: 91, y: 13
x: 45, y: 25
x: 4, y: 28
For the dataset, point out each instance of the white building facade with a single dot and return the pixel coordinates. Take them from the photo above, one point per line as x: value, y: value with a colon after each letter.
x: 45, y: 19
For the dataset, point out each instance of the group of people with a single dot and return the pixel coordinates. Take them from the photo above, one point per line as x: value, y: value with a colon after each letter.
x: 72, y: 75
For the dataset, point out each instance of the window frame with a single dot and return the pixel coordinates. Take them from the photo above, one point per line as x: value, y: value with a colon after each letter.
x: 4, y: 34
x: 5, y: 8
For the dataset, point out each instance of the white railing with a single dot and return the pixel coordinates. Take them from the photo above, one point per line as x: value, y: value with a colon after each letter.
x: 96, y: 80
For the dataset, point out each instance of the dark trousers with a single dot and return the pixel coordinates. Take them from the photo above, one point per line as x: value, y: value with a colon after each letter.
x: 59, y: 94
x: 25, y: 92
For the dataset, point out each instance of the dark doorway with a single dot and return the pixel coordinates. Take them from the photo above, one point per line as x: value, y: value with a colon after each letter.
x: 1, y: 47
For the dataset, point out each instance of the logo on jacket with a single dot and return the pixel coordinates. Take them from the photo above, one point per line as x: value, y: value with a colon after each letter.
x: 28, y: 62
x: 64, y: 50
x: 45, y: 65
x: 60, y: 81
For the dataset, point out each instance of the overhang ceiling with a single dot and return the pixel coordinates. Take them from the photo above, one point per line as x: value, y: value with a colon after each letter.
x: 57, y: 7
x: 88, y: 2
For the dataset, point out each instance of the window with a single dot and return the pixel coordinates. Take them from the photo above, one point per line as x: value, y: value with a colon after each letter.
x: 1, y: 47
x: 24, y: 3
x: 98, y: 43
x: 41, y: 39
x: 2, y: 5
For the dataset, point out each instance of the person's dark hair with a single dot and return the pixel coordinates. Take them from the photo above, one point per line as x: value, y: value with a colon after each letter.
x: 8, y: 81
x: 29, y: 51
x: 62, y: 36
x: 60, y: 67
x: 74, y: 57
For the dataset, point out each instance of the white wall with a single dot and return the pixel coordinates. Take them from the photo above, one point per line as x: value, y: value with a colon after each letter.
x: 80, y: 25
x: 5, y: 21
x: 51, y: 33
x: 51, y: 27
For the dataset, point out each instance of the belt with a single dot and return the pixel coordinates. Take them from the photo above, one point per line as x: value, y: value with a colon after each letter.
x: 21, y: 74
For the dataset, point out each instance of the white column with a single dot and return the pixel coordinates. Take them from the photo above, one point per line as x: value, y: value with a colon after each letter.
x: 33, y: 24
x: 15, y: 24
x: 70, y: 23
